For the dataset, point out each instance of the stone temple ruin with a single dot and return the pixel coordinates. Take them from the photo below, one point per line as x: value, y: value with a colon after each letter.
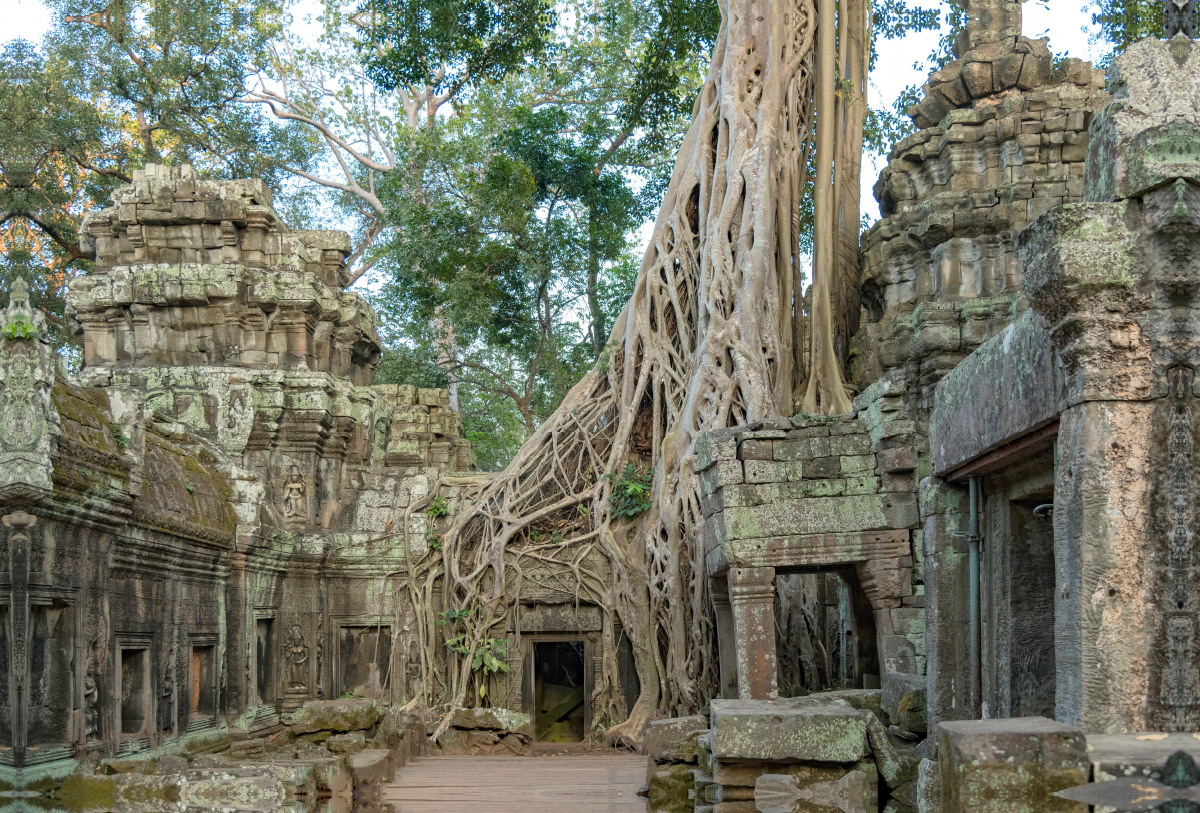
x: 203, y: 530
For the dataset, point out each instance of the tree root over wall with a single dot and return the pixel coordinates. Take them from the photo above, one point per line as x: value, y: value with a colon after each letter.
x: 707, y: 341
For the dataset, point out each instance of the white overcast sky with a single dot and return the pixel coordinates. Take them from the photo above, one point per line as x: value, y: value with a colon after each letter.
x: 1066, y: 22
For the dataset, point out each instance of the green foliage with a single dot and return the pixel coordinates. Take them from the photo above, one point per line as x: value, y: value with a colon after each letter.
x: 121, y: 439
x: 19, y: 328
x: 489, y: 654
x: 1123, y: 22
x: 433, y: 540
x: 449, y: 44
x: 437, y: 507
x: 631, y: 492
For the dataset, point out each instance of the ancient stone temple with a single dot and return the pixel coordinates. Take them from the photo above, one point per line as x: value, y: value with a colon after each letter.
x: 202, y: 529
x: 220, y: 577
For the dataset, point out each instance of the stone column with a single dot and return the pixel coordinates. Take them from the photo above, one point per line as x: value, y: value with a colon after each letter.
x: 947, y: 603
x: 752, y: 596
x: 18, y: 572
x: 1114, y: 279
x: 726, y: 637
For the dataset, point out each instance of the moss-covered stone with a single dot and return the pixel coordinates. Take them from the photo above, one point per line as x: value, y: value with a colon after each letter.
x: 351, y: 714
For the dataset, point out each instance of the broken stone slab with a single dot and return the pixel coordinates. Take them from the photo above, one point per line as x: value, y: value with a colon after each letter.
x: 350, y: 714
x: 1011, y: 766
x: 741, y: 774
x: 788, y: 729
x: 491, y: 720
x: 675, y: 740
x: 929, y: 787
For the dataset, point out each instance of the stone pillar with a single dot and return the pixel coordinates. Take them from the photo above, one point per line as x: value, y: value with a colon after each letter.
x: 18, y: 572
x: 947, y: 609
x: 1114, y: 280
x: 726, y: 637
x: 240, y: 694
x: 752, y: 596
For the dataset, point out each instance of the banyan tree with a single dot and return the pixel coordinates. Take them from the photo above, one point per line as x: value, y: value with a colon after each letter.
x: 727, y: 325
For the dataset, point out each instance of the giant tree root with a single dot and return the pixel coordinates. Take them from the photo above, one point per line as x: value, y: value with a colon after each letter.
x: 705, y: 343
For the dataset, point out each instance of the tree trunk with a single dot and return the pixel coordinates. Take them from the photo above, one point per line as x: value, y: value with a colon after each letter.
x: 593, y: 294
x: 707, y: 341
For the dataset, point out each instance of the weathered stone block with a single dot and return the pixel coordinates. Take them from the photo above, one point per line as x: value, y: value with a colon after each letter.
x: 348, y: 743
x: 895, y: 686
x: 676, y: 739
x: 788, y: 729
x: 351, y: 714
x: 1011, y: 766
x: 897, y: 460
x: 491, y: 719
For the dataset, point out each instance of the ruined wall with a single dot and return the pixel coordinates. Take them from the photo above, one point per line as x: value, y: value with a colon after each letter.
x: 206, y: 529
x: 1002, y: 140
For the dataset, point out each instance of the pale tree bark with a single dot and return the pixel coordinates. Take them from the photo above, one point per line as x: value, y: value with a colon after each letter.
x: 707, y: 341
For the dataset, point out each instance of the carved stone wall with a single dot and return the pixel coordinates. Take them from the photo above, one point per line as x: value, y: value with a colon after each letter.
x: 1003, y: 139
x: 204, y: 529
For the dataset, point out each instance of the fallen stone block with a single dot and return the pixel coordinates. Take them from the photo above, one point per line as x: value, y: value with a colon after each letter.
x: 350, y: 714
x: 348, y: 743
x: 788, y: 729
x: 895, y: 686
x: 675, y: 740
x: 491, y: 720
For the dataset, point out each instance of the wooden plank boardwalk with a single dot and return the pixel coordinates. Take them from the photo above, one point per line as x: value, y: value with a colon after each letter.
x: 562, y: 784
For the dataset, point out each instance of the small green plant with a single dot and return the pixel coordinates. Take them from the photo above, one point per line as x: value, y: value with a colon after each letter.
x: 559, y: 538
x: 631, y: 492
x: 347, y: 695
x: 433, y: 540
x: 121, y: 438
x: 19, y: 328
x: 191, y: 488
x: 490, y: 653
x: 437, y: 507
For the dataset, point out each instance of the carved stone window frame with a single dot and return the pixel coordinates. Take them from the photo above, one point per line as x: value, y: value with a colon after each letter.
x: 266, y: 614
x: 336, y: 624
x: 123, y: 641
x: 203, y: 639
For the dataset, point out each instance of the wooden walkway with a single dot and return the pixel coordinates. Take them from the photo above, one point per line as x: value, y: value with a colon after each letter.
x: 551, y: 784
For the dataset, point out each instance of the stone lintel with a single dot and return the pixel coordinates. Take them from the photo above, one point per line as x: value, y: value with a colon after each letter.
x: 815, y: 550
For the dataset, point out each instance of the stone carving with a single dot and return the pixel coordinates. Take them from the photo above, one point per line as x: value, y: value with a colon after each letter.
x: 91, y: 694
x: 297, y: 657
x: 1180, y: 685
x: 294, y: 489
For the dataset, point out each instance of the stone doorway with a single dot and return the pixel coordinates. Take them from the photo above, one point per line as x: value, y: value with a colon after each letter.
x: 1018, y: 574
x: 559, y: 686
x: 825, y: 635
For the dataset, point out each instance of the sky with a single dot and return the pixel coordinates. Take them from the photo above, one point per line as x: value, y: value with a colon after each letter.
x: 1067, y: 26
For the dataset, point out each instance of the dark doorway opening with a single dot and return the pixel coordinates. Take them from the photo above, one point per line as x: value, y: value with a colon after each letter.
x: 264, y: 654
x: 135, y: 691
x: 560, y: 691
